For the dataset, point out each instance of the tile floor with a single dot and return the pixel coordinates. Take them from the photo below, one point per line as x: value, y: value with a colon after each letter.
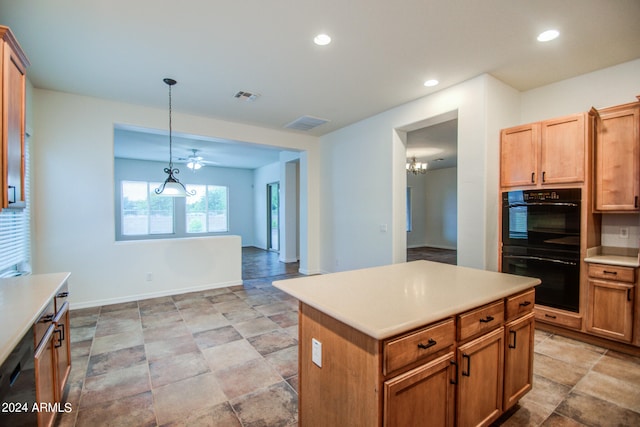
x: 228, y: 357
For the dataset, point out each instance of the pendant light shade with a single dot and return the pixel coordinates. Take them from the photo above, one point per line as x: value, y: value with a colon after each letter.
x: 171, y: 186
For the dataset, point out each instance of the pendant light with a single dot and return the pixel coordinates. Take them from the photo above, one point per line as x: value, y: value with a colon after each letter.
x: 171, y: 186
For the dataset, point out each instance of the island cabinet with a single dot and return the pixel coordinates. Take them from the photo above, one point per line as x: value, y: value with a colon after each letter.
x: 463, y: 370
x: 611, y: 301
x: 617, y: 158
x: 13, y: 65
x: 544, y: 153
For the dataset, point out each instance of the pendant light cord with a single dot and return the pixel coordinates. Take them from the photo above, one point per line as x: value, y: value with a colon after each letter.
x: 170, y: 132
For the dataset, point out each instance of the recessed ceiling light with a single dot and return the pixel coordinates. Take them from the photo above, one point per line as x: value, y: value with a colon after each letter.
x: 431, y: 83
x: 322, y: 39
x: 548, y: 35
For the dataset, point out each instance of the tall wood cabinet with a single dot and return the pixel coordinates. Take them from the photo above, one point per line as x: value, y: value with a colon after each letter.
x: 544, y: 153
x: 13, y: 65
x: 617, y: 158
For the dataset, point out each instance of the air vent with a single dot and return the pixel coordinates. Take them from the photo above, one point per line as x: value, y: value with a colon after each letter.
x: 306, y: 123
x: 246, y: 96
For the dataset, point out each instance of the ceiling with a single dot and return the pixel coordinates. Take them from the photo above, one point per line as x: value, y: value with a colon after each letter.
x: 380, y: 55
x: 147, y: 144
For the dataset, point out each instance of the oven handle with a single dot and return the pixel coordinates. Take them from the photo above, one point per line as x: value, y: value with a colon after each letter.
x: 518, y: 205
x: 537, y: 258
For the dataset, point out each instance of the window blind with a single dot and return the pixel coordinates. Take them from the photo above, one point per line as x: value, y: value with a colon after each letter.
x: 15, y: 248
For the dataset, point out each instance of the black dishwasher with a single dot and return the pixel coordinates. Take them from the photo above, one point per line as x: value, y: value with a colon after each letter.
x: 18, y: 385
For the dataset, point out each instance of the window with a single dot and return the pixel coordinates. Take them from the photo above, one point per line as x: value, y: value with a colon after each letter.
x: 15, y: 231
x: 143, y: 212
x: 206, y: 212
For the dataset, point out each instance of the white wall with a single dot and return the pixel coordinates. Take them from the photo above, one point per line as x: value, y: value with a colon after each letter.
x: 434, y: 209
x: 73, y: 203
x: 363, y: 170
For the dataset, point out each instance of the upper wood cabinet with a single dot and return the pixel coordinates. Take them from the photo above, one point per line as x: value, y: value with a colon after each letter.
x: 617, y: 158
x: 544, y: 153
x: 13, y: 64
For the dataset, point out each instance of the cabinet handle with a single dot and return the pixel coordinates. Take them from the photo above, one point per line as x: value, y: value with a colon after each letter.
x: 514, y: 334
x: 550, y: 316
x: 468, y: 373
x: 486, y: 319
x: 13, y: 188
x: 47, y: 318
x: 526, y: 303
x: 635, y: 201
x: 429, y: 343
x: 60, y: 338
x: 543, y: 176
x: 533, y: 177
x: 629, y: 294
x: 62, y: 295
x: 454, y: 381
x: 610, y: 272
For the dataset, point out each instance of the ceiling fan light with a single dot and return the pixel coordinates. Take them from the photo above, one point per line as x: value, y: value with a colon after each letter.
x: 194, y: 165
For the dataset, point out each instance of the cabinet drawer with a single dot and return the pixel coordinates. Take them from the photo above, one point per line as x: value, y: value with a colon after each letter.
x: 480, y: 320
x: 520, y: 304
x: 42, y: 324
x: 612, y: 272
x: 417, y: 345
x: 557, y: 317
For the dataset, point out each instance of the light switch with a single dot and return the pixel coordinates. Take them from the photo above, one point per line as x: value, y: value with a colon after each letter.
x: 316, y: 352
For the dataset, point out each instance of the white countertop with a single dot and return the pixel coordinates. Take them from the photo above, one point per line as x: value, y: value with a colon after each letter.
x: 620, y: 260
x: 390, y: 300
x: 22, y: 299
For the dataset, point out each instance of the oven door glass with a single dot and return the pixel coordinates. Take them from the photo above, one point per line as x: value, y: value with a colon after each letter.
x: 559, y: 274
x: 549, y: 224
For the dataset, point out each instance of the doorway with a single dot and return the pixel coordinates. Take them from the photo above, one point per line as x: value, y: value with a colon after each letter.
x: 432, y: 190
x: 273, y: 216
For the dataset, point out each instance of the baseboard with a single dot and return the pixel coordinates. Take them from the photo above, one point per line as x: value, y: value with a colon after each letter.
x: 129, y: 298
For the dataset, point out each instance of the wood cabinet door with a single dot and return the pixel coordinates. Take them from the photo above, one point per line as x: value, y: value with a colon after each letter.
x: 519, y: 155
x: 610, y: 312
x: 617, y: 160
x: 13, y: 128
x: 62, y: 345
x: 422, y: 396
x: 481, y: 369
x: 563, y: 150
x: 45, y: 377
x: 518, y: 359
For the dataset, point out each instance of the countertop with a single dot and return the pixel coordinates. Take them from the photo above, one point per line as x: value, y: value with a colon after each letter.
x: 22, y: 299
x: 624, y: 257
x: 389, y: 300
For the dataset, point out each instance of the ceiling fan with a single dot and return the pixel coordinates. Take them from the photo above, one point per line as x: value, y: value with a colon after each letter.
x: 194, y: 161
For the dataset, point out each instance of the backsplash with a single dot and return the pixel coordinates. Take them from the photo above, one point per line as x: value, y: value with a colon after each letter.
x: 615, y: 227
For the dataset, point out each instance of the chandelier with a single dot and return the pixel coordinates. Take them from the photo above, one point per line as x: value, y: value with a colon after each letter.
x: 416, y: 167
x: 171, y: 186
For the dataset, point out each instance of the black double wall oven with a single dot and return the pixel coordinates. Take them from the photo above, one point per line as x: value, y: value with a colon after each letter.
x: 541, y: 238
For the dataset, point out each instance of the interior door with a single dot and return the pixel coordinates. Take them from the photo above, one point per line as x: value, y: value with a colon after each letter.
x: 273, y: 216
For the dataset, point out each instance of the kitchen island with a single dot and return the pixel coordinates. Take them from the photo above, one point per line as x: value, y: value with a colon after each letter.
x: 417, y: 343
